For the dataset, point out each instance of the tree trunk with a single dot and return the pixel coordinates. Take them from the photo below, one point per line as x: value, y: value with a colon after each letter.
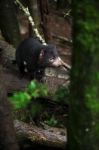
x: 8, y: 22
x: 7, y: 132
x: 34, y: 11
x: 61, y: 4
x: 83, y: 128
x: 44, y: 11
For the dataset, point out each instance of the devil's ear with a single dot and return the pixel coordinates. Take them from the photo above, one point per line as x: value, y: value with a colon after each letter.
x: 41, y: 54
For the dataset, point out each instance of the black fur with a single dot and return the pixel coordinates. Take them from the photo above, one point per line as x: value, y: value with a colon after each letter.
x: 28, y: 57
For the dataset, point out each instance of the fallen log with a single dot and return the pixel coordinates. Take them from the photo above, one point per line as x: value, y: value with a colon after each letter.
x: 50, y: 137
x: 13, y: 81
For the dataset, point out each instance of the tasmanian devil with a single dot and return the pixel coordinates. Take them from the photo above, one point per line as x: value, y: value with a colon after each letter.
x: 33, y: 57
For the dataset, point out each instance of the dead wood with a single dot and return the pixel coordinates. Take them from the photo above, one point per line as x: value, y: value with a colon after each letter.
x: 50, y: 137
x: 62, y: 38
x: 11, y: 81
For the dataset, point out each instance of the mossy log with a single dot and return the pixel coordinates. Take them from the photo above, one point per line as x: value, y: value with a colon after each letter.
x: 53, y: 137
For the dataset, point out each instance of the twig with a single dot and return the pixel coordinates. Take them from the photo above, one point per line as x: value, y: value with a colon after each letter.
x: 62, y: 38
x: 67, y: 13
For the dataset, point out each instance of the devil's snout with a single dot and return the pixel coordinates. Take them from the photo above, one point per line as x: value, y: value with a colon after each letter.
x: 58, y: 62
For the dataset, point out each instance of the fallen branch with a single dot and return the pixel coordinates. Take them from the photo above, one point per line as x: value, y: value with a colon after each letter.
x: 52, y: 138
x: 67, y: 13
x: 62, y: 38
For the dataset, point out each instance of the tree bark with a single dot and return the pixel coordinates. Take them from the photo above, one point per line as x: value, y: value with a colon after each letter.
x: 7, y: 133
x: 83, y: 128
x: 61, y: 4
x: 44, y: 11
x: 8, y: 22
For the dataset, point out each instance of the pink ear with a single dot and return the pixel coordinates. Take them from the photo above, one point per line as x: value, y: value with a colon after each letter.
x: 41, y: 54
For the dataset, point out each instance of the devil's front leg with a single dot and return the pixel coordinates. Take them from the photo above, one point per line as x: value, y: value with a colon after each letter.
x: 39, y: 75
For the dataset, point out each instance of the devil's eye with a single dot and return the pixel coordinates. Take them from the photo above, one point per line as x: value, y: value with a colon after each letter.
x: 51, y: 59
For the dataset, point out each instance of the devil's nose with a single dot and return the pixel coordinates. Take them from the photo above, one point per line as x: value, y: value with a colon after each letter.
x: 57, y: 62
